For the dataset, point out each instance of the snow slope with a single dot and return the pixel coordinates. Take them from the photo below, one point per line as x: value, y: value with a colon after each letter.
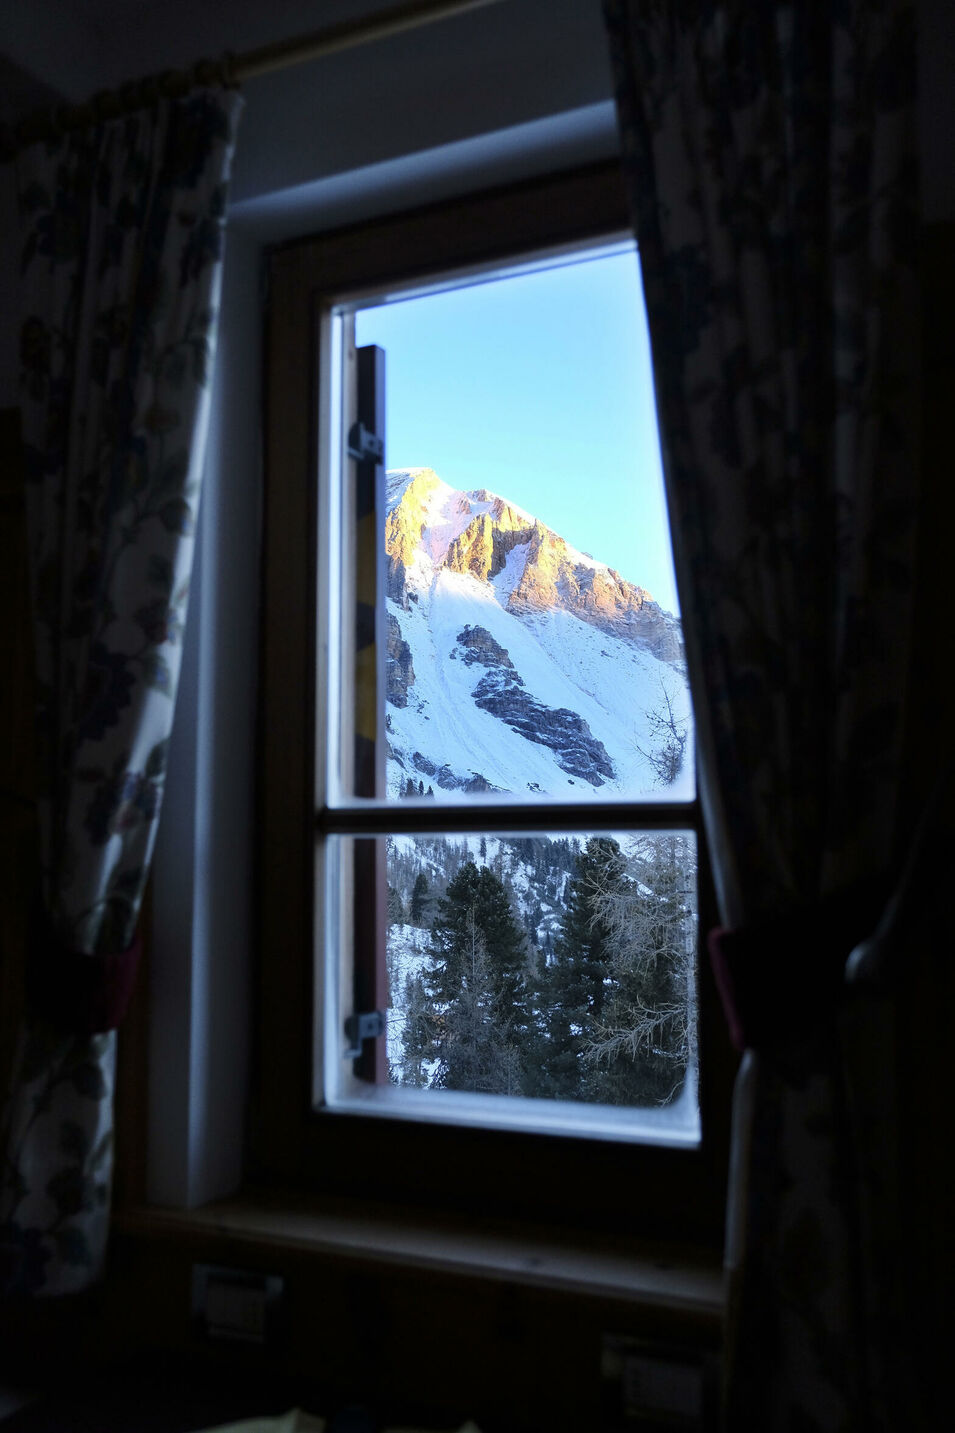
x: 554, y: 662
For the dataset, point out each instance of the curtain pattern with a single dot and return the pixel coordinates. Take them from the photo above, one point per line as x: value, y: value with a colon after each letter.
x: 122, y: 235
x: 769, y: 154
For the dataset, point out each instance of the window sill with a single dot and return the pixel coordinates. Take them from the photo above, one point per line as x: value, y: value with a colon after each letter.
x: 676, y: 1126
x: 686, y: 1284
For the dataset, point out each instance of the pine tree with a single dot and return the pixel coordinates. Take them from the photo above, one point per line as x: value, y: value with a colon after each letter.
x: 572, y: 987
x: 478, y: 980
x: 477, y: 1038
x: 419, y: 1033
x: 396, y: 910
x: 420, y: 899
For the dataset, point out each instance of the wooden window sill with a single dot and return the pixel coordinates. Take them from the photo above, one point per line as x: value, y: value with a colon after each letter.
x: 683, y: 1283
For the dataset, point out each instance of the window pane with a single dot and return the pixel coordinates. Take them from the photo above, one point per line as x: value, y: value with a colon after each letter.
x: 549, y: 967
x: 525, y: 532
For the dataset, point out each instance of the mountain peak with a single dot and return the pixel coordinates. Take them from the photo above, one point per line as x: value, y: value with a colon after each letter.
x: 432, y: 527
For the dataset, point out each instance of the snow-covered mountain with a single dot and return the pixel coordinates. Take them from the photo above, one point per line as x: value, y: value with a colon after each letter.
x: 518, y: 664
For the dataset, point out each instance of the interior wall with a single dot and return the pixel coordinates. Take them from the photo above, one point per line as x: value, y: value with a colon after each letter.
x: 481, y: 72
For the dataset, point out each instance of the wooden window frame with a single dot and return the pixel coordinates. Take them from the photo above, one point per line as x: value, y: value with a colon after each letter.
x: 638, y: 1189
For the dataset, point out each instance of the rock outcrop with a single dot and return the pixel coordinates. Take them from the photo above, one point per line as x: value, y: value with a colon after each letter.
x: 501, y: 692
x: 481, y: 549
x: 480, y: 646
x: 450, y: 780
x: 576, y: 750
x: 399, y: 668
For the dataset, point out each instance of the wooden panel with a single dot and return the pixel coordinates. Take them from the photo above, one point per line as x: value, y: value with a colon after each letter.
x: 426, y: 1329
x: 285, y: 805
x: 464, y: 233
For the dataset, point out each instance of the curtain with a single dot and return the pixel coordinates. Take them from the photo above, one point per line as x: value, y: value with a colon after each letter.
x: 122, y: 236
x: 768, y: 151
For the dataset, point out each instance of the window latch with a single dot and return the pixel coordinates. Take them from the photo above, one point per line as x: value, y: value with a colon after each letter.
x: 369, y: 1025
x: 365, y: 445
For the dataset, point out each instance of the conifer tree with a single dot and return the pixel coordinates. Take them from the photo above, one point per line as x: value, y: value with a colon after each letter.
x: 573, y: 986
x: 478, y: 981
x: 420, y: 1030
x: 477, y: 1036
x: 396, y: 910
x: 420, y: 899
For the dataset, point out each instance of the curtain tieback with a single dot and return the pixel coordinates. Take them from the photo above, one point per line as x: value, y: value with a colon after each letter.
x: 782, y: 979
x: 83, y: 994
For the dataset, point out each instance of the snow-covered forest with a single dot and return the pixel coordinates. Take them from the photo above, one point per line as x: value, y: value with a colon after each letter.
x: 557, y: 967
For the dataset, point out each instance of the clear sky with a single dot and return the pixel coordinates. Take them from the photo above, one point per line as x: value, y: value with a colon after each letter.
x: 537, y: 387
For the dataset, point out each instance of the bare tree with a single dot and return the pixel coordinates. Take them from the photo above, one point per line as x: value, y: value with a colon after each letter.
x: 668, y: 734
x: 647, y: 1027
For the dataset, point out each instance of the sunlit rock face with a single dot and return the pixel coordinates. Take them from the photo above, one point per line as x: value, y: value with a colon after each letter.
x: 406, y: 520
x: 482, y: 548
x: 554, y: 576
x: 515, y: 662
x: 476, y: 532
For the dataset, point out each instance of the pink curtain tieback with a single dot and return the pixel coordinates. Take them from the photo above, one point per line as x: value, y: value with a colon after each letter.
x: 782, y: 978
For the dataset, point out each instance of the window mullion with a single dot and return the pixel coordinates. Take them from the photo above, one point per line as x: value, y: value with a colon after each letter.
x: 397, y: 818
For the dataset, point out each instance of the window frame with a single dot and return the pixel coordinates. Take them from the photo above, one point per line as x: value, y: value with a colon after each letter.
x: 641, y: 1189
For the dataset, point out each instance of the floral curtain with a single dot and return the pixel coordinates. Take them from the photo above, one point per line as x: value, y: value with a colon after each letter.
x: 122, y: 237
x: 768, y: 150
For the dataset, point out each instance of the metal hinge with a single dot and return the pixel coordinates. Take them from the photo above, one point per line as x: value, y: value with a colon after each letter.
x: 365, y: 445
x: 369, y: 1025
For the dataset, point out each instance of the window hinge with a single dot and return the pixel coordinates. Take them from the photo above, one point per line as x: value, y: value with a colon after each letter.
x: 369, y: 1025
x: 365, y: 445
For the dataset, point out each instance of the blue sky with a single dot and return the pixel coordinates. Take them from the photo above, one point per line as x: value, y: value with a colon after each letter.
x: 537, y: 387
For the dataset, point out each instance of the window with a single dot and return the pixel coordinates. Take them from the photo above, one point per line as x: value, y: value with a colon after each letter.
x: 472, y: 1101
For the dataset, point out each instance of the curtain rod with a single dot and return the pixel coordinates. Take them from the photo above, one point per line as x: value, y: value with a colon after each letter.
x: 349, y: 33
x: 234, y: 69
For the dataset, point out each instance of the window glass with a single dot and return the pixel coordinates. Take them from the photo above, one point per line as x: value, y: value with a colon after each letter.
x: 533, y: 640
x: 508, y: 640
x: 555, y: 967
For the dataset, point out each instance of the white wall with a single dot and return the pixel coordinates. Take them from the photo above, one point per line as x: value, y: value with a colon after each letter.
x: 202, y: 874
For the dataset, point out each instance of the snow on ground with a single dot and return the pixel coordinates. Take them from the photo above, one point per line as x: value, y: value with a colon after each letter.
x: 562, y: 661
x: 407, y: 955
